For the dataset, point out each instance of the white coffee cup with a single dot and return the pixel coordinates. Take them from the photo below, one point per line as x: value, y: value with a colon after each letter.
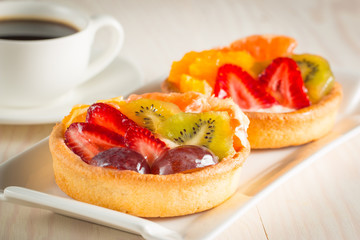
x: 36, y: 72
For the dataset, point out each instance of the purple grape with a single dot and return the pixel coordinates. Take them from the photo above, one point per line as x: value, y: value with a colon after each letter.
x: 122, y: 159
x: 183, y: 158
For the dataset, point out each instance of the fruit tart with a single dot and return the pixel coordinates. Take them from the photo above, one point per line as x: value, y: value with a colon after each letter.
x: 151, y: 155
x: 290, y: 99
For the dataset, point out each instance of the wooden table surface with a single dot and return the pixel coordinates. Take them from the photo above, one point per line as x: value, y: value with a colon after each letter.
x: 321, y: 202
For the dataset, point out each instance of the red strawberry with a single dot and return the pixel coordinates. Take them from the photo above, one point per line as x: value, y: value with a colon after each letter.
x: 144, y: 142
x: 109, y: 117
x: 247, y: 92
x: 284, y: 82
x: 86, y: 139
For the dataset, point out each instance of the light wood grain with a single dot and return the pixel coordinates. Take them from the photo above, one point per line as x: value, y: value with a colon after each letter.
x: 319, y: 203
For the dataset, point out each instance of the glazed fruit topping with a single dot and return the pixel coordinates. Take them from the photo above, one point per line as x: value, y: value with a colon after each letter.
x: 110, y: 139
x: 232, y: 81
x: 143, y: 141
x: 183, y: 158
x: 87, y: 139
x: 149, y: 113
x: 189, y: 83
x: 265, y: 47
x: 204, y: 66
x: 208, y: 129
x: 317, y: 75
x: 283, y: 81
x: 258, y: 57
x: 280, y: 83
x: 122, y: 159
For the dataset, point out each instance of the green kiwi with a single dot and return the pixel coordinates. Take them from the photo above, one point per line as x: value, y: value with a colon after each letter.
x: 149, y: 113
x: 316, y: 74
x: 259, y: 67
x: 208, y: 129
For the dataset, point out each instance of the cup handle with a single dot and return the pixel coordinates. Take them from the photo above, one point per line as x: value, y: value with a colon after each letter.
x: 112, y: 49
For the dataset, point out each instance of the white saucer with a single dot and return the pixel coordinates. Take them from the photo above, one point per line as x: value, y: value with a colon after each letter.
x: 120, y: 78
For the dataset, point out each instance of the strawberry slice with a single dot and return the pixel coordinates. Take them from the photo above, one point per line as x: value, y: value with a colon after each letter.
x: 109, y: 117
x: 144, y: 142
x: 87, y: 139
x: 247, y: 92
x: 284, y: 82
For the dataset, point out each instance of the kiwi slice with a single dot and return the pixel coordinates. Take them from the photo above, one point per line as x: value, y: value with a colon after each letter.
x: 259, y: 68
x: 149, y: 113
x: 316, y: 74
x: 208, y: 129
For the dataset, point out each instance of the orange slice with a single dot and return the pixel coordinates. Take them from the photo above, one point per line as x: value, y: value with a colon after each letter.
x: 188, y: 83
x: 77, y: 114
x: 79, y: 111
x: 204, y: 65
x: 265, y: 47
x: 115, y: 102
x: 181, y: 67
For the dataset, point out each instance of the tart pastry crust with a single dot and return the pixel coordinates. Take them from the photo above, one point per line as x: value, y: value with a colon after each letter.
x: 148, y: 195
x: 277, y: 130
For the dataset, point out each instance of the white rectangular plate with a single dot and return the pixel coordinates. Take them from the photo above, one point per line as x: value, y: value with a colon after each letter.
x: 28, y: 179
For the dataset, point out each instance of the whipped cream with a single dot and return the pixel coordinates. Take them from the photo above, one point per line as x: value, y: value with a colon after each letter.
x: 273, y: 109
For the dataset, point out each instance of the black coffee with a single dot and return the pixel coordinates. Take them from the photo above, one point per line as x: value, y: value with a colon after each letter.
x: 30, y: 29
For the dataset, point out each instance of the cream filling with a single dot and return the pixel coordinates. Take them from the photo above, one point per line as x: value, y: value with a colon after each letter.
x: 273, y: 109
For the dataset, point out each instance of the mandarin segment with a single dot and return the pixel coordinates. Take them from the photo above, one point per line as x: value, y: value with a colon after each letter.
x: 188, y: 83
x: 265, y: 47
x: 115, y: 102
x: 238, y: 58
x: 205, y: 64
x: 204, y: 69
x: 77, y: 114
x: 180, y: 67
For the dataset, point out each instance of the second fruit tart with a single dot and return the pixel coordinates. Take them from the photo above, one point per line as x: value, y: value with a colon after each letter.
x: 151, y: 155
x: 290, y: 99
